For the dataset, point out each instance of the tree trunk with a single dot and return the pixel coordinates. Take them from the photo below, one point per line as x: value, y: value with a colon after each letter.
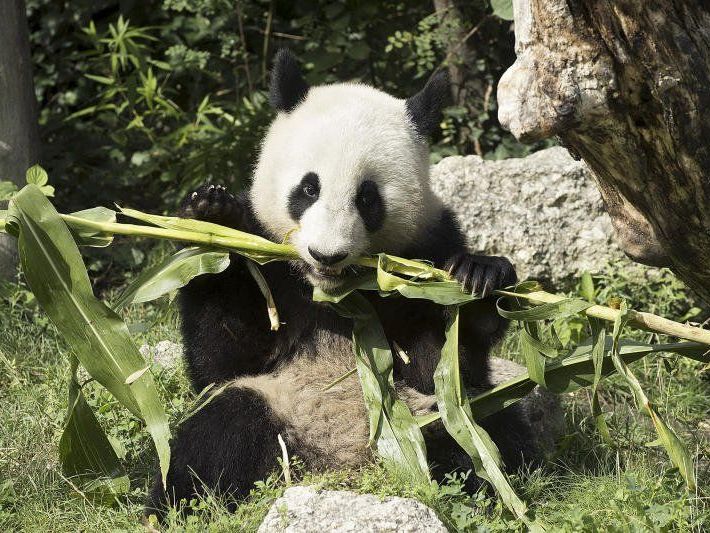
x: 625, y: 84
x: 18, y: 119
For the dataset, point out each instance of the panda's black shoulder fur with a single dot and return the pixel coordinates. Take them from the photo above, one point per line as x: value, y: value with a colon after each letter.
x: 232, y: 442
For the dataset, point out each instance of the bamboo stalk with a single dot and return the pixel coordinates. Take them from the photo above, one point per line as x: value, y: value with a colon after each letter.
x: 407, y: 267
x: 638, y: 319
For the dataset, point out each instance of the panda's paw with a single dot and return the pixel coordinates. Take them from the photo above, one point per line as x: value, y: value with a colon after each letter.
x: 481, y: 274
x: 212, y: 203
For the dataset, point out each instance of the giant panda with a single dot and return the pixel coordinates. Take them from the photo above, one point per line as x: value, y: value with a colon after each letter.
x: 343, y: 171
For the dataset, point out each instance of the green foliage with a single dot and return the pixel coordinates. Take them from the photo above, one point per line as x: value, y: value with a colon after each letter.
x: 54, y: 270
x: 589, y: 486
x: 89, y: 325
x: 141, y: 101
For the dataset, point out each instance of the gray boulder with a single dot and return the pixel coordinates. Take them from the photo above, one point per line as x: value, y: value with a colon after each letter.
x: 543, y: 212
x: 307, y: 510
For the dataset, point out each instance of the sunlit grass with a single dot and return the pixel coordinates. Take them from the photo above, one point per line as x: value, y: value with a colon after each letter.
x: 588, y: 486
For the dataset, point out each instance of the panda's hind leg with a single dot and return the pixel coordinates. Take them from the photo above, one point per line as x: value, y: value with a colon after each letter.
x: 223, y: 448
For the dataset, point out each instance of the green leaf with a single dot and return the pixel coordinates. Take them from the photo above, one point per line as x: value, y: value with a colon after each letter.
x: 598, y: 350
x: 392, y: 426
x: 57, y: 277
x: 7, y: 189
x: 85, y: 452
x: 534, y: 360
x: 91, y: 237
x: 548, y: 311
x: 586, y: 287
x: 100, y: 79
x: 503, y: 9
x: 677, y: 451
x: 571, y: 373
x: 443, y: 292
x: 175, y: 272
x: 365, y: 281
x: 37, y: 175
x: 457, y: 416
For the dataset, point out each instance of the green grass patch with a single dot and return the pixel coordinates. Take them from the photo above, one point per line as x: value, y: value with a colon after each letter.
x: 589, y: 485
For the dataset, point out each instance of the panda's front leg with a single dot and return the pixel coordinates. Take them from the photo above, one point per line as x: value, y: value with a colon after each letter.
x: 224, y: 334
x: 481, y: 274
x: 480, y: 322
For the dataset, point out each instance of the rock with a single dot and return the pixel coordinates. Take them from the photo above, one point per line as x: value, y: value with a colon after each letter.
x: 307, y: 510
x: 543, y: 212
x: 165, y: 353
x: 541, y: 408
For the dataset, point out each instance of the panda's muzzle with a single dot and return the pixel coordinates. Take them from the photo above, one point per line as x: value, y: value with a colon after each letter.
x: 327, y: 260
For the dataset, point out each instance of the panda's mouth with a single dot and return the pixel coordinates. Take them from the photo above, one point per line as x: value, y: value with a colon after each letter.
x: 325, y: 277
x: 328, y: 272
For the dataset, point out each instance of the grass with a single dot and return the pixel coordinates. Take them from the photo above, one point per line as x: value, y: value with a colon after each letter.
x: 587, y: 486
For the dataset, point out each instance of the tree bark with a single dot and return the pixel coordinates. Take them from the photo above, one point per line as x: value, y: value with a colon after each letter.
x: 18, y: 117
x: 625, y: 84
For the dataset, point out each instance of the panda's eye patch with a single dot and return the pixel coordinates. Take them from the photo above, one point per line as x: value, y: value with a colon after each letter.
x: 303, y: 195
x: 370, y: 205
x: 310, y: 190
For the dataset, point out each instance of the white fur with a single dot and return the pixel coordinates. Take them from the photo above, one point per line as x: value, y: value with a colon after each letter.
x: 345, y: 133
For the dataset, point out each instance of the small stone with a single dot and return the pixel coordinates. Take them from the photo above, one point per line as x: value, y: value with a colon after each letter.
x: 165, y: 353
x: 307, y: 510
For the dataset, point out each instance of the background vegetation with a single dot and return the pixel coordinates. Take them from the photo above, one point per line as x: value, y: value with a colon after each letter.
x: 141, y: 101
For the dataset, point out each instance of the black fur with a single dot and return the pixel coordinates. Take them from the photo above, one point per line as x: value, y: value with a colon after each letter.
x: 303, y: 195
x: 220, y: 448
x: 232, y: 442
x: 424, y: 108
x: 287, y: 88
x: 370, y: 205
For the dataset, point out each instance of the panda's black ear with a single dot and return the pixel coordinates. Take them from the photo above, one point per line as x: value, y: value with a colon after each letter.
x: 288, y: 88
x: 424, y: 108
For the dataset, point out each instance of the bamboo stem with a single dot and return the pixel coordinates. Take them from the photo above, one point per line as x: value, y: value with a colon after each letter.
x: 638, y: 319
x: 407, y: 267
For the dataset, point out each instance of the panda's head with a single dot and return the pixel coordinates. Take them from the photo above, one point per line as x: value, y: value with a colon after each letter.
x: 344, y: 169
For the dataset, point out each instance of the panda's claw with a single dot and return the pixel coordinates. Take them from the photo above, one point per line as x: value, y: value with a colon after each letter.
x: 480, y: 274
x: 211, y: 203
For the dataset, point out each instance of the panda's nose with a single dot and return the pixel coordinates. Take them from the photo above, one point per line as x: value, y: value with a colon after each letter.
x: 327, y: 259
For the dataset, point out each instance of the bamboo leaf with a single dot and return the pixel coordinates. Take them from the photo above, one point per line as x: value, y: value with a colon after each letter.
x: 569, y: 374
x: 92, y: 237
x: 366, y: 281
x: 674, y: 446
x: 586, y: 287
x: 598, y: 350
x: 175, y: 272
x: 555, y: 310
x: 392, y: 426
x: 443, y: 292
x: 457, y: 416
x: 534, y: 361
x: 56, y: 274
x: 85, y: 452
